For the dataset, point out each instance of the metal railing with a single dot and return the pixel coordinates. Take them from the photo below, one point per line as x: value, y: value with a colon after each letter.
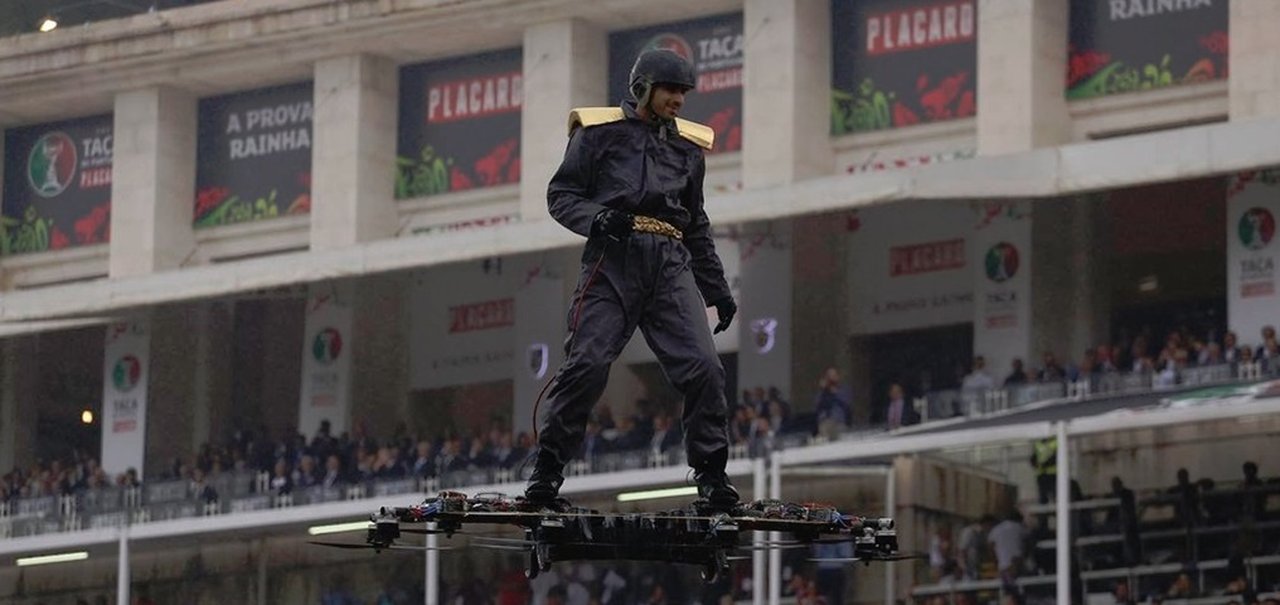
x: 237, y: 492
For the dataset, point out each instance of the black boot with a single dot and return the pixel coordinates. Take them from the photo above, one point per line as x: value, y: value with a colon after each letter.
x: 714, y: 487
x: 544, y: 483
x: 713, y: 483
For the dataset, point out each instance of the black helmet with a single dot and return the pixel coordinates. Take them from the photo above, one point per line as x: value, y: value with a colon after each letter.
x: 659, y: 66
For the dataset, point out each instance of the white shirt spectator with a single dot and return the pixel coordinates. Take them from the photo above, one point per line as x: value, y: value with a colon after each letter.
x: 978, y: 379
x: 1008, y: 538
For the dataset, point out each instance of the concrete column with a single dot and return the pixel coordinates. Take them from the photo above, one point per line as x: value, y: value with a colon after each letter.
x: 820, y: 307
x: 786, y: 97
x: 19, y: 386
x: 1021, y: 98
x: 153, y: 183
x: 171, y: 388
x: 1255, y: 59
x: 1070, y: 302
x: 211, y: 414
x: 765, y: 307
x: 380, y: 354
x: 353, y: 158
x: 565, y: 64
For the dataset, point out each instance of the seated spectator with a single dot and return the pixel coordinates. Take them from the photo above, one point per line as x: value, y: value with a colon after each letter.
x: 306, y: 475
x: 423, y: 463
x: 1269, y: 350
x: 777, y: 416
x: 1017, y: 376
x: 1211, y: 355
x: 200, y: 490
x: 978, y: 379
x: 775, y: 396
x: 899, y: 412
x: 1051, y: 371
x: 832, y: 405
x: 1181, y: 587
x: 1230, y: 348
x: 665, y: 436
x: 333, y: 476
x: 593, y: 443
x: 281, y: 484
x: 1121, y: 593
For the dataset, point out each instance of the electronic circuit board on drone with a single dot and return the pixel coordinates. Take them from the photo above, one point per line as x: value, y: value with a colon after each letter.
x: 693, y: 535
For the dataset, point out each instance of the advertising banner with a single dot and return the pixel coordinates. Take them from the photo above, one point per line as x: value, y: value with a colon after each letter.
x: 459, y: 124
x: 126, y: 370
x: 463, y: 328
x: 911, y: 266
x: 326, y: 358
x: 253, y: 155
x: 714, y: 46
x: 1121, y: 46
x: 57, y: 186
x: 1253, y: 205
x: 764, y: 323
x: 1000, y: 255
x: 899, y: 63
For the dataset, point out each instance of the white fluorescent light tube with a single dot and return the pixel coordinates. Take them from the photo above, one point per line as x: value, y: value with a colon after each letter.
x: 58, y: 558
x: 653, y: 494
x: 337, y: 528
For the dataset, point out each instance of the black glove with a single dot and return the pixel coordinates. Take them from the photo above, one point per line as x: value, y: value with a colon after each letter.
x: 725, y: 309
x: 616, y: 224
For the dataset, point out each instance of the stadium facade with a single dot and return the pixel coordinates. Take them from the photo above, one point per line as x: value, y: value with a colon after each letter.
x: 263, y: 215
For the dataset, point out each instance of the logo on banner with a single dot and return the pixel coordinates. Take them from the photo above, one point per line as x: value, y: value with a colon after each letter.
x: 537, y: 360
x: 1001, y: 262
x: 51, y: 164
x: 1257, y: 227
x: 764, y: 333
x: 673, y: 43
x: 326, y: 346
x: 126, y: 373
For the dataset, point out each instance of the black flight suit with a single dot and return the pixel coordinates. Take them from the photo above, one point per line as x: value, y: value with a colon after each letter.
x: 657, y: 283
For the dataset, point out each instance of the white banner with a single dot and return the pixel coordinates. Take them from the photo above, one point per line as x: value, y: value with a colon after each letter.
x: 462, y: 327
x: 910, y: 266
x: 1000, y: 255
x: 126, y: 372
x: 1253, y: 204
x: 326, y: 359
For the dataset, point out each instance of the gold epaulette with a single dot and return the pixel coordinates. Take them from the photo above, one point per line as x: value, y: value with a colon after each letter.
x: 698, y: 134
x: 593, y: 116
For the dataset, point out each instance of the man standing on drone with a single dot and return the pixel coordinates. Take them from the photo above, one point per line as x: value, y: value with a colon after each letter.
x: 631, y: 183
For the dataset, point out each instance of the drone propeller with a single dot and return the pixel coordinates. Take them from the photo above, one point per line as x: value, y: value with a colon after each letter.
x: 771, y: 546
x: 352, y: 546
x: 892, y: 557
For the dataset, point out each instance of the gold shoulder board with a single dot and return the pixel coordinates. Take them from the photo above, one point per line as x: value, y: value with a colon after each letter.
x: 593, y: 116
x: 699, y: 134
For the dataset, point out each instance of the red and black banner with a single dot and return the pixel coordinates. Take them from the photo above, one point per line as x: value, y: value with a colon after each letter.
x: 253, y: 155
x: 714, y: 46
x: 1119, y: 46
x: 459, y: 124
x: 57, y: 185
x: 899, y: 63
